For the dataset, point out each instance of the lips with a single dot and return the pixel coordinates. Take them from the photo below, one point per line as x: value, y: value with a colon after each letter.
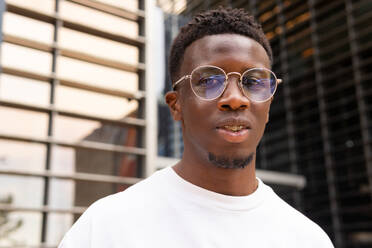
x: 233, y: 130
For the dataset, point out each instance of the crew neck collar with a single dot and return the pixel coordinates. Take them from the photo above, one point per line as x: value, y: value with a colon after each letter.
x: 212, y: 199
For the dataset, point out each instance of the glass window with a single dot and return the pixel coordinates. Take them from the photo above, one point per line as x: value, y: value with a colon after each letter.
x: 96, y: 75
x: 61, y: 193
x: 27, y: 234
x: 27, y: 28
x: 63, y: 159
x: 58, y: 225
x: 98, y: 19
x: 93, y: 103
x: 127, y: 4
x: 22, y: 122
x: 45, y: 6
x: 98, y: 162
x: 97, y: 46
x: 23, y: 156
x: 105, y: 163
x: 24, y: 191
x: 26, y: 58
x: 76, y: 130
x: 24, y: 90
x: 73, y: 130
x: 83, y: 193
x: 88, y: 192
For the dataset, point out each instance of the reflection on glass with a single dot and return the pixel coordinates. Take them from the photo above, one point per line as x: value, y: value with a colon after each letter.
x: 61, y: 193
x: 24, y: 90
x: 26, y: 58
x: 128, y: 4
x: 23, y: 156
x: 73, y: 129
x: 96, y: 75
x: 104, y: 163
x: 88, y: 192
x: 101, y: 163
x: 45, y: 6
x: 22, y: 122
x: 94, y: 161
x: 97, y: 46
x: 58, y: 225
x: 27, y: 234
x: 25, y: 191
x: 98, y: 19
x: 83, y: 193
x: 93, y: 103
x: 27, y: 28
x: 63, y: 159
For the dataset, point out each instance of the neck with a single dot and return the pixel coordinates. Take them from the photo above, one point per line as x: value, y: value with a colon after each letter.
x: 200, y: 172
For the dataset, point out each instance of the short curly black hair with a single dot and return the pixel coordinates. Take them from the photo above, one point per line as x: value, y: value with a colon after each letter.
x: 218, y: 21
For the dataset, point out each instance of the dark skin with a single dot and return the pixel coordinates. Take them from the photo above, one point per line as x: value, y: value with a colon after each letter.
x: 201, y: 119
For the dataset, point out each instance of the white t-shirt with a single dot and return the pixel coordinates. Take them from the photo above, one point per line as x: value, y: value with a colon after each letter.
x: 164, y: 211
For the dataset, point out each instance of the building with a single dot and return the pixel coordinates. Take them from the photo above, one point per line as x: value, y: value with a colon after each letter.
x: 68, y: 70
x: 320, y: 122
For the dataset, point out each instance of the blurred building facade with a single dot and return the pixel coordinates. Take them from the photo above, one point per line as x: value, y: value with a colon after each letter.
x: 321, y: 118
x: 74, y: 119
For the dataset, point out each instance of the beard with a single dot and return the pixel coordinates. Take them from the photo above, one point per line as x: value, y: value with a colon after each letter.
x: 230, y: 163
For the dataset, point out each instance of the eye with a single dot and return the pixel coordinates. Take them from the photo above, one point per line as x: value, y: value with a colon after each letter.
x: 251, y: 81
x: 211, y: 81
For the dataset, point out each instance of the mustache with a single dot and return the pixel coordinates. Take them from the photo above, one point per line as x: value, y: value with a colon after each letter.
x: 234, y: 121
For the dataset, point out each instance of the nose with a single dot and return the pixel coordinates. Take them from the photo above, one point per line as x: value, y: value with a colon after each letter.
x: 232, y: 98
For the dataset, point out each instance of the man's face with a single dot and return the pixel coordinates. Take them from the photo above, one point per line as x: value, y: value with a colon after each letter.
x: 209, y: 126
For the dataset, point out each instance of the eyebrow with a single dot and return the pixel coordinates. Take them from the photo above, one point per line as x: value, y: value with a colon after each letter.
x: 250, y: 66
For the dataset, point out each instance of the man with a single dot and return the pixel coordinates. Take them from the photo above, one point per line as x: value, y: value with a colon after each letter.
x: 223, y: 87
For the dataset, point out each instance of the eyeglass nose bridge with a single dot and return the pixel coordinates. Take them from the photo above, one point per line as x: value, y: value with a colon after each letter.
x: 233, y: 73
x: 239, y: 81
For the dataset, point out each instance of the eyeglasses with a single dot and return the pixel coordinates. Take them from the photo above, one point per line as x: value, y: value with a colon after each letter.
x: 208, y: 82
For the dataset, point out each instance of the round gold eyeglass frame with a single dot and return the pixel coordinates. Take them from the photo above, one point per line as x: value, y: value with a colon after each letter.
x: 277, y: 81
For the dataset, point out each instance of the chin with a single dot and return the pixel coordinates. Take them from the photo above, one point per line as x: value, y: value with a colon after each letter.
x: 230, y: 161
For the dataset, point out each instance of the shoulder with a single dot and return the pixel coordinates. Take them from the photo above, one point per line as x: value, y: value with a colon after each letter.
x: 293, y: 221
x: 137, y: 195
x: 120, y: 211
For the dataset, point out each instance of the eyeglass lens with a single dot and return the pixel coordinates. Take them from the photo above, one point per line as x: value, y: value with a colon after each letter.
x: 208, y: 82
x: 258, y: 84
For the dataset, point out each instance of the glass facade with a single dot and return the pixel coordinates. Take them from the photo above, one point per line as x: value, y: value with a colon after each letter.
x: 72, y: 90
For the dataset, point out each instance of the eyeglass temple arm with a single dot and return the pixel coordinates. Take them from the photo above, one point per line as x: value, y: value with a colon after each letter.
x: 180, y: 80
x: 279, y: 80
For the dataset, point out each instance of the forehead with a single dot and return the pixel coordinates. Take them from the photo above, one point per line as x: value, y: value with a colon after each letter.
x: 228, y: 51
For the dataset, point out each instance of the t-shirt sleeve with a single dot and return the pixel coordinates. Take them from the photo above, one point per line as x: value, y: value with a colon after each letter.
x: 80, y: 233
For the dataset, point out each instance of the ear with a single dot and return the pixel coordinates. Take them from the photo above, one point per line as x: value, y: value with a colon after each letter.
x: 268, y: 112
x: 172, y: 99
